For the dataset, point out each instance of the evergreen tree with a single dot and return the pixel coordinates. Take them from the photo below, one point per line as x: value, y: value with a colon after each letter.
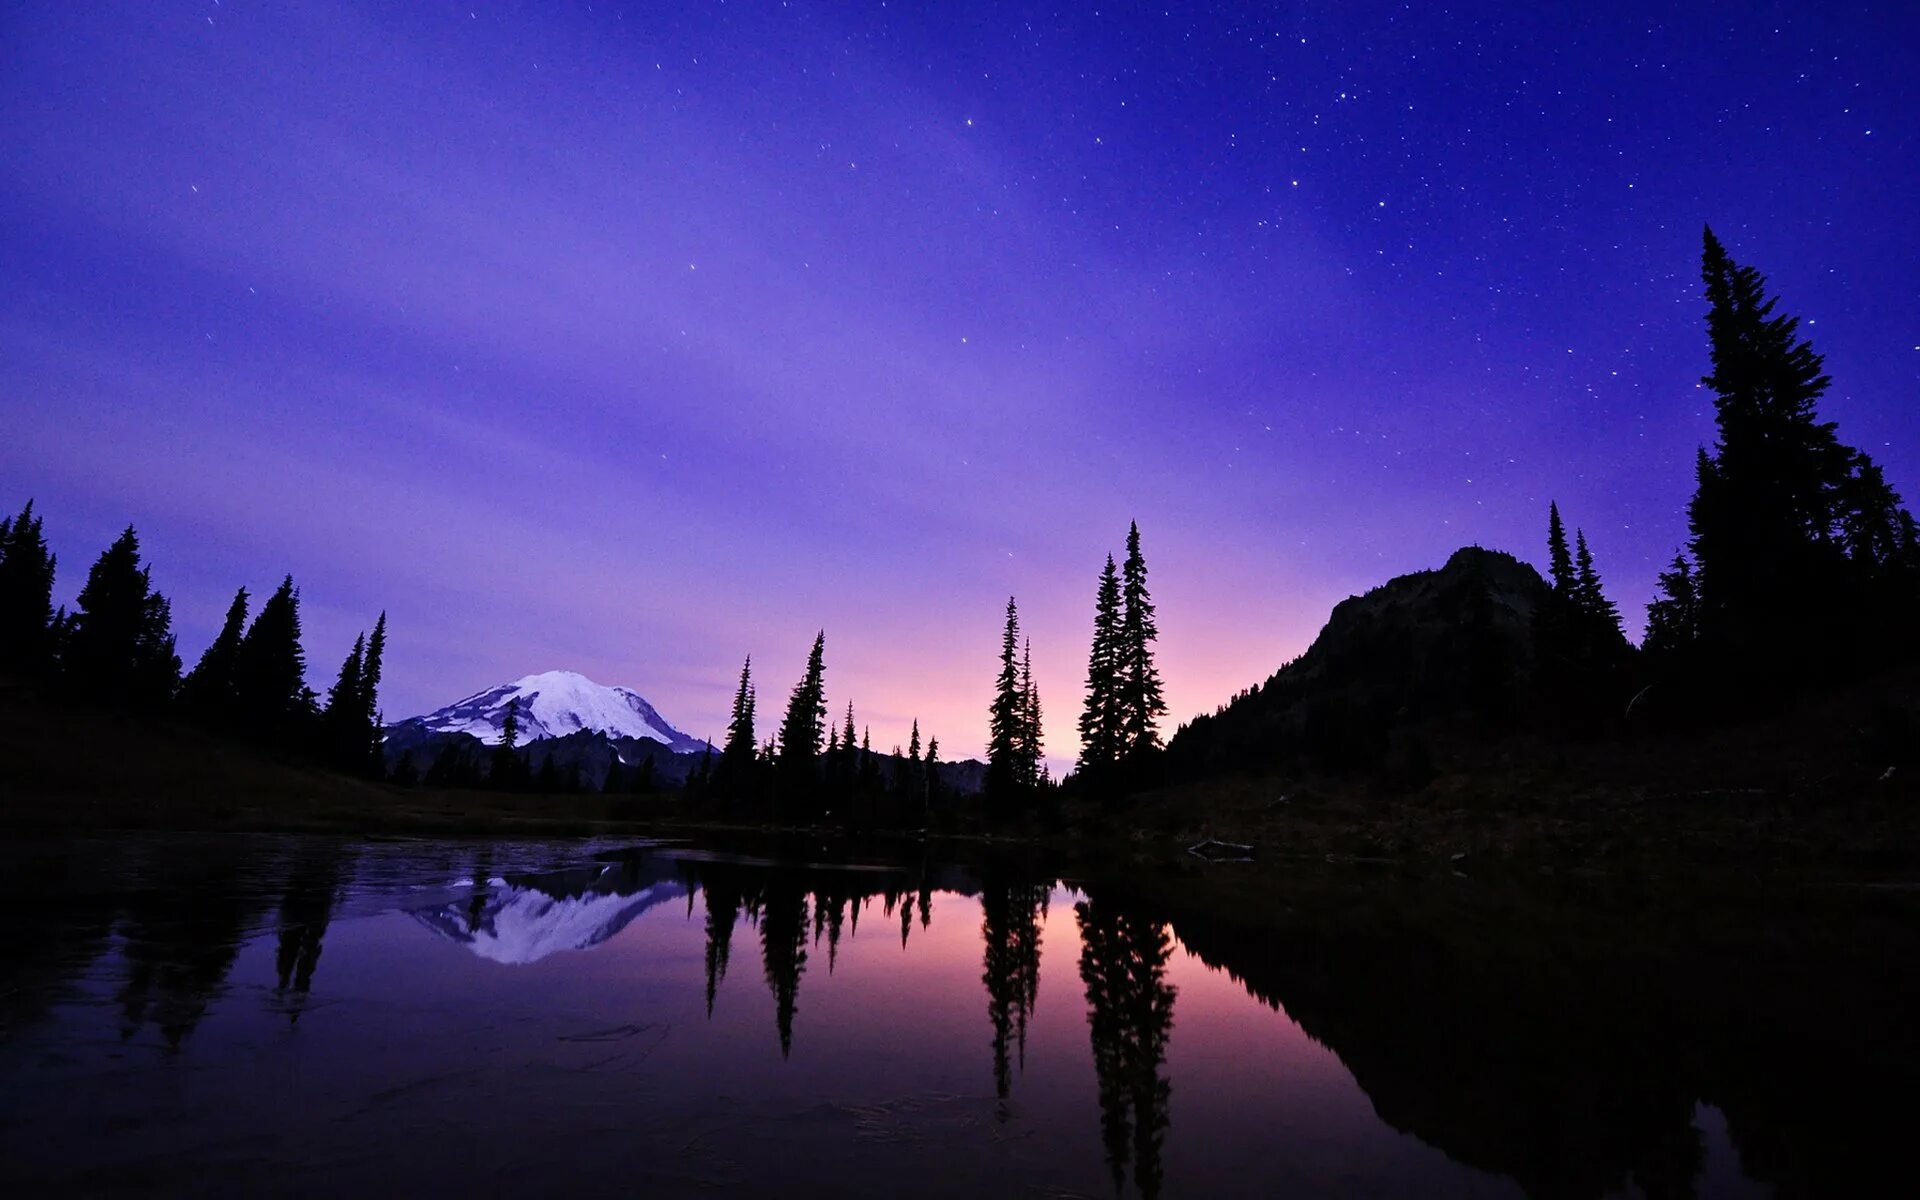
x: 737, y: 755
x: 1142, y: 704
x: 27, y: 626
x: 932, y: 792
x: 1559, y: 562
x: 1673, y: 619
x: 1101, y: 734
x: 614, y: 782
x: 869, y: 765
x: 1031, y: 749
x: 1006, y: 722
x: 208, y: 692
x: 504, y: 772
x: 1579, y: 651
x: 270, y: 672
x: 1599, y: 613
x: 803, y: 730
x: 1783, y: 516
x: 375, y: 729
x: 343, y: 722
x: 916, y: 791
x: 120, y: 649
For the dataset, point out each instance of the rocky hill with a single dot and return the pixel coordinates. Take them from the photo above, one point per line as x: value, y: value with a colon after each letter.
x: 1452, y: 648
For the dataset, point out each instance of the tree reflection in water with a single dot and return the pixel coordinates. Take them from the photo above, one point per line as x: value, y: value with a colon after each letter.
x: 1010, y: 920
x: 1123, y: 962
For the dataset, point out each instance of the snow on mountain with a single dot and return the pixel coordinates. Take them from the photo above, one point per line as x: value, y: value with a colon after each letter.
x: 554, y: 704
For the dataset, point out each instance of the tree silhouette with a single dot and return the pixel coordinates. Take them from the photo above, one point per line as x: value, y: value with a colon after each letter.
x: 1032, y: 748
x: 1673, y: 619
x: 1794, y: 535
x: 26, y: 597
x: 737, y: 754
x: 803, y: 731
x: 270, y: 672
x: 373, y: 728
x: 1599, y: 613
x: 208, y: 691
x: 1102, y: 736
x: 120, y: 649
x: 1142, y: 704
x: 343, y: 721
x: 1007, y: 722
x: 504, y: 771
x: 1580, y: 654
x: 931, y: 796
x: 1559, y: 560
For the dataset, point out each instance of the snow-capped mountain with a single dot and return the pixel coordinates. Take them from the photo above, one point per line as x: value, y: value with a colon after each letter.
x: 555, y: 704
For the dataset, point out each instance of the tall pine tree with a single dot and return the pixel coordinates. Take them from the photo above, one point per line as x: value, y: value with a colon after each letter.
x: 1101, y: 734
x: 374, y: 731
x: 1785, y: 563
x: 737, y: 754
x: 1599, y: 615
x: 1142, y: 704
x: 1006, y: 720
x: 1032, y: 749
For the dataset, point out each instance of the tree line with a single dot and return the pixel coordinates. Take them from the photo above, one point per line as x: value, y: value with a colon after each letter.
x: 810, y: 768
x: 116, y: 650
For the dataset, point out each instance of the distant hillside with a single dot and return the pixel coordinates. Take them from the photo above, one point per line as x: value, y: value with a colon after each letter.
x: 1450, y: 647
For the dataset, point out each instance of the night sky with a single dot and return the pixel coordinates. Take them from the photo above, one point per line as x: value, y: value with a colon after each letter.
x: 635, y: 338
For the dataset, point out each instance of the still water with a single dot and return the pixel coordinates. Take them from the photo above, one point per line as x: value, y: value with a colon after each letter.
x: 253, y: 1015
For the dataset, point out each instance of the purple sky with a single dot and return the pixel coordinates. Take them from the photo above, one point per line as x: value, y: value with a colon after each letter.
x: 633, y: 339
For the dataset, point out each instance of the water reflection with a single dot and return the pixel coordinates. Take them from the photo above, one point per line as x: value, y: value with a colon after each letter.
x: 523, y: 918
x: 1011, y: 915
x: 178, y: 937
x: 305, y: 912
x: 1123, y: 962
x: 1569, y: 1043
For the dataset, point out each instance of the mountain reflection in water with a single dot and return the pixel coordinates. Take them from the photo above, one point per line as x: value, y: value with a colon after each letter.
x: 180, y: 1014
x: 523, y: 918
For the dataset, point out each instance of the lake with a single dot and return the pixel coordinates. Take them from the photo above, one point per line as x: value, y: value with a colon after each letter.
x: 242, y: 1015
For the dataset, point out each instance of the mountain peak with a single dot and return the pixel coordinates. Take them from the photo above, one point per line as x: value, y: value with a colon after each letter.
x: 555, y: 704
